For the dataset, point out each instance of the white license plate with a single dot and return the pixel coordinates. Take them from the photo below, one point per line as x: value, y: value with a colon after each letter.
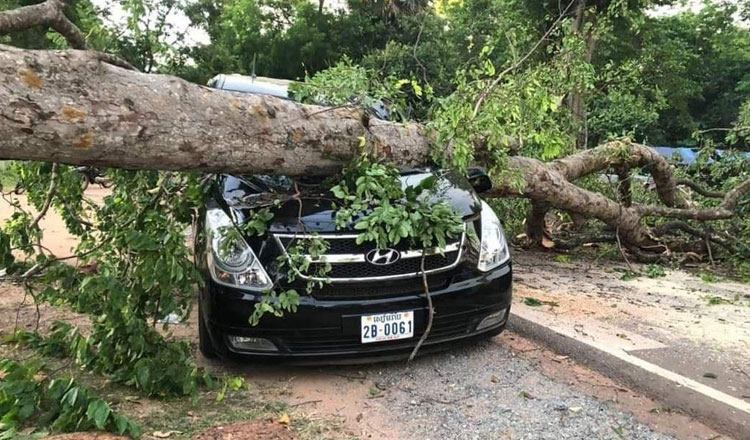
x: 387, y: 326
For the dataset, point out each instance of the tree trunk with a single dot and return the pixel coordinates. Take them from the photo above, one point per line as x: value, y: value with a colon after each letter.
x: 536, y: 225
x: 72, y: 107
x: 576, y: 100
x: 69, y: 107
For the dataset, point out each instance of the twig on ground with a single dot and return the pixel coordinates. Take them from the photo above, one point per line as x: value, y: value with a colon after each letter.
x: 308, y: 402
x: 622, y: 251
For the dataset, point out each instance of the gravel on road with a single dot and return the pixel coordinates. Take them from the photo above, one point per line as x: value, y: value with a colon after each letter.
x: 487, y: 392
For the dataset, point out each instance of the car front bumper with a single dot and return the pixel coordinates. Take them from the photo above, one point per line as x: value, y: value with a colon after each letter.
x: 330, y: 329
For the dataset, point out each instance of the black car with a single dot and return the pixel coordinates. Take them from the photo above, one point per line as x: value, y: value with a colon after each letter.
x: 373, y: 301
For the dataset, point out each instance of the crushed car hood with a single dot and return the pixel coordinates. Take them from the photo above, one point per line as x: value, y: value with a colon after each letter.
x: 312, y: 209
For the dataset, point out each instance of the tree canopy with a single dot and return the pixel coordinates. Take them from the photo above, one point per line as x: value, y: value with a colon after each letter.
x: 557, y: 100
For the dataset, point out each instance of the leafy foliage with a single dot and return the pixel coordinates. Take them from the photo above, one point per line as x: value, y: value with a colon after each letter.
x: 138, y: 270
x: 510, y: 109
x: 349, y: 84
x: 394, y: 211
x: 29, y: 397
x: 371, y: 198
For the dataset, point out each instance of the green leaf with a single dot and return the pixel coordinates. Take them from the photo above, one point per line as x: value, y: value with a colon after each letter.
x: 71, y: 396
x: 98, y: 411
x: 338, y: 192
x: 121, y: 423
x: 533, y: 302
x: 140, y: 241
x: 143, y: 376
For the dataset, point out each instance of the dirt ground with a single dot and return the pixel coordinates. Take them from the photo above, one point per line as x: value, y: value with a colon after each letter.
x: 696, y: 328
x: 508, y: 387
x: 247, y: 430
x: 501, y: 388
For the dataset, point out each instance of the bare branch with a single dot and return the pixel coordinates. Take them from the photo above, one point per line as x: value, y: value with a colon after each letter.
x: 430, y: 312
x: 50, y: 13
x: 725, y: 210
x: 711, y: 130
x: 678, y: 225
x: 700, y: 190
x: 47, y: 199
x: 578, y: 241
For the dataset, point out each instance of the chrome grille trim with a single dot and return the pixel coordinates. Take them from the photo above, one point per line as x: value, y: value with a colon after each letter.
x: 360, y: 258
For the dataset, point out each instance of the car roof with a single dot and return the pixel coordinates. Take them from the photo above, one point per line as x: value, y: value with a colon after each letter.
x: 251, y: 84
x: 279, y: 88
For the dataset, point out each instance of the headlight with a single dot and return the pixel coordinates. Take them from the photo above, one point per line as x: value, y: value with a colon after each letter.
x: 231, y: 260
x: 493, y: 249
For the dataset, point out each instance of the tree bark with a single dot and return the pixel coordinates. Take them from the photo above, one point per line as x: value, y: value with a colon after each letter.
x: 71, y: 107
x: 550, y: 183
x: 536, y: 225
x: 50, y: 13
x: 576, y: 100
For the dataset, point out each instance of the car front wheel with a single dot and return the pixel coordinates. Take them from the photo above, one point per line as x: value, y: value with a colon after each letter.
x: 205, y: 344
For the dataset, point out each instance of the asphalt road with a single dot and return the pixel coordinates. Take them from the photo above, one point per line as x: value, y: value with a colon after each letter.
x: 488, y: 392
x: 504, y: 388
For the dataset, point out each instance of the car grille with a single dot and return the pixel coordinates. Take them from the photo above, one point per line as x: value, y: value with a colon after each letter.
x: 403, y: 266
x: 349, y: 264
x: 443, y: 327
x: 383, y: 289
x: 341, y: 244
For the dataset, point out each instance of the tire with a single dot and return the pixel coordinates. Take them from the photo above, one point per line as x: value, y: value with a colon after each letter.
x: 205, y: 345
x: 495, y: 332
x: 84, y: 183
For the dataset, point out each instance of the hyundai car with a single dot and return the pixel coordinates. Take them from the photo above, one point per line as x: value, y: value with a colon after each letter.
x: 372, y: 301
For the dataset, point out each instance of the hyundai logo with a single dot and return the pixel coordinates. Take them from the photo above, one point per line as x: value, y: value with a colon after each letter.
x: 383, y: 257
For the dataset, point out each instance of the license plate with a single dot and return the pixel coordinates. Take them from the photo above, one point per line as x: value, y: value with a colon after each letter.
x: 387, y: 326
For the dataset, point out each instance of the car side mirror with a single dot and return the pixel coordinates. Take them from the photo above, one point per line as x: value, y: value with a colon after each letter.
x: 479, y: 179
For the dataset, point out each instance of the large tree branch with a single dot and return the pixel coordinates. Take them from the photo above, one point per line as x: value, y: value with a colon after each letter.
x: 70, y: 107
x: 545, y: 183
x: 548, y: 184
x: 50, y: 13
x: 624, y: 154
x: 67, y: 106
x: 725, y: 210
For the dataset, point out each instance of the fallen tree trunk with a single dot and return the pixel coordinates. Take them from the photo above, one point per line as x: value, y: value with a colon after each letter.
x: 71, y: 107
x: 77, y: 107
x: 547, y: 183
